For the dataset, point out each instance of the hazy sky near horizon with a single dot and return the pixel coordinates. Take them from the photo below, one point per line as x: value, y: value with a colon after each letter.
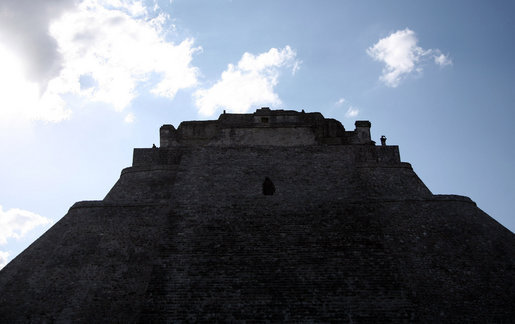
x: 83, y: 82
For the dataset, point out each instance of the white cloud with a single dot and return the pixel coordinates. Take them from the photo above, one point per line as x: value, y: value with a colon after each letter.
x: 15, y: 223
x: 116, y: 44
x: 352, y: 112
x: 4, y: 258
x: 401, y: 56
x: 129, y: 118
x: 248, y: 83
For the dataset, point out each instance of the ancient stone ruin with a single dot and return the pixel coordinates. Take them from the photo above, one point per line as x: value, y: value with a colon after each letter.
x: 274, y: 216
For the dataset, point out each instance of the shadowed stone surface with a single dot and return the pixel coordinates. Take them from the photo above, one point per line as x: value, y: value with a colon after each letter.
x: 350, y: 234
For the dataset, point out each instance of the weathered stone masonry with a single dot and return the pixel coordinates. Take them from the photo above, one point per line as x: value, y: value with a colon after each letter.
x: 350, y: 234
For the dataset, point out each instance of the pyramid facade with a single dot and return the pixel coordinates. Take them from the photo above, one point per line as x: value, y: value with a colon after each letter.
x: 349, y: 234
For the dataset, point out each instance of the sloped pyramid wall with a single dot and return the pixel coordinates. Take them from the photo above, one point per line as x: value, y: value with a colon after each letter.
x: 351, y: 234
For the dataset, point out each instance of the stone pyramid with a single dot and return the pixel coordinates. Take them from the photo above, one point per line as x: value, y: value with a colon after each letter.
x: 274, y: 216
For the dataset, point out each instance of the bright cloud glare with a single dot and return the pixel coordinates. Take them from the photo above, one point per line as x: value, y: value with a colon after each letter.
x: 118, y: 49
x: 113, y: 43
x: 20, y: 98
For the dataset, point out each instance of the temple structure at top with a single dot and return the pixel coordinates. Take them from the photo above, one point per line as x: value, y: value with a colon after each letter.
x: 266, y: 127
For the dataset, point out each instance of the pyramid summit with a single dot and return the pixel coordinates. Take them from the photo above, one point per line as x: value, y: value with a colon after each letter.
x: 273, y: 216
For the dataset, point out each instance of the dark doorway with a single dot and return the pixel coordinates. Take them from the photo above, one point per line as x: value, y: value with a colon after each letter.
x: 268, y: 187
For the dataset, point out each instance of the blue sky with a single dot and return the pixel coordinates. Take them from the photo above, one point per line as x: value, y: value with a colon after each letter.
x: 84, y: 82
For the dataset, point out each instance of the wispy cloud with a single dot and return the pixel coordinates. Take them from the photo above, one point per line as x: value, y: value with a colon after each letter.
x: 402, y: 56
x: 339, y: 102
x: 442, y: 60
x: 352, y: 112
x: 116, y: 44
x: 129, y: 118
x: 247, y: 83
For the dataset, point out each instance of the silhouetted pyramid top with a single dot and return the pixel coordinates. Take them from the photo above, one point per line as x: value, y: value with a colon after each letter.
x: 278, y: 216
x: 265, y: 127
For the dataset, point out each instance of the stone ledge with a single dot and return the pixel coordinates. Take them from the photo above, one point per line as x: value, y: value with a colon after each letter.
x: 159, y: 167
x: 275, y: 201
x: 398, y: 165
x: 435, y: 198
x: 453, y: 198
x: 101, y: 203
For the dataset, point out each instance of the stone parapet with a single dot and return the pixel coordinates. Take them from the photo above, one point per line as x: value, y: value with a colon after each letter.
x: 265, y: 127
